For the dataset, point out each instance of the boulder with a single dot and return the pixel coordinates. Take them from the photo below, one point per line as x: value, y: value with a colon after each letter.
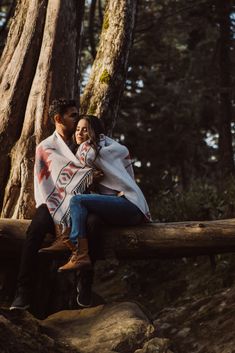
x: 121, y: 327
x: 21, y: 332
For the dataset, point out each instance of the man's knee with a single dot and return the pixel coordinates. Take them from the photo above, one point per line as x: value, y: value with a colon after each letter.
x: 41, y: 223
x: 42, y: 215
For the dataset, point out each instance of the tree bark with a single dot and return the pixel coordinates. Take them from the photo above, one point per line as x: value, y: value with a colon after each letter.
x: 17, y: 68
x: 103, y: 91
x: 55, y: 75
x: 154, y: 240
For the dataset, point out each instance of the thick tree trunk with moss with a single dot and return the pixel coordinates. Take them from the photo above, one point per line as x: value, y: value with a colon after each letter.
x: 42, y: 66
x: 105, y: 86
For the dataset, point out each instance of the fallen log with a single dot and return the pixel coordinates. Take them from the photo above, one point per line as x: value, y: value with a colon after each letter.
x: 149, y: 241
x: 154, y: 240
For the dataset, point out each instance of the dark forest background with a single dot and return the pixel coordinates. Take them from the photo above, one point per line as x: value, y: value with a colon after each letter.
x: 177, y: 114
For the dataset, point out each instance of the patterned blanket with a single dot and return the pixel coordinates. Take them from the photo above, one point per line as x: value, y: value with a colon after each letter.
x: 58, y: 175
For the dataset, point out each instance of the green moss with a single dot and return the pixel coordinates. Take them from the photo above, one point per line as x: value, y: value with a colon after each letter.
x: 105, y: 77
x: 105, y: 22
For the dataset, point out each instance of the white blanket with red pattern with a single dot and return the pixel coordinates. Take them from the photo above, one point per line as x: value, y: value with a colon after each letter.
x: 58, y: 175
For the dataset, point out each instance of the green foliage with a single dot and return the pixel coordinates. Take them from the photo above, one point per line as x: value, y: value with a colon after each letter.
x: 172, y: 98
x: 170, y: 107
x: 201, y: 201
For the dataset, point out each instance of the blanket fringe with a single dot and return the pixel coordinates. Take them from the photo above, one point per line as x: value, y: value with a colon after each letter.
x: 80, y: 189
x: 84, y: 184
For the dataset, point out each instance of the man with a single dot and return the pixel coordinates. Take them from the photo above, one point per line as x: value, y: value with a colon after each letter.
x: 64, y: 115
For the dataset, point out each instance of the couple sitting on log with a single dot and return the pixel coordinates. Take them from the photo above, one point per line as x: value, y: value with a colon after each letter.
x: 77, y: 184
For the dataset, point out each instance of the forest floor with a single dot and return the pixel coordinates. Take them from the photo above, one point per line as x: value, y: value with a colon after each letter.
x: 190, y: 300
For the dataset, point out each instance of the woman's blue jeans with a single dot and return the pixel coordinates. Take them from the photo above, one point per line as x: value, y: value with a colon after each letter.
x: 112, y: 210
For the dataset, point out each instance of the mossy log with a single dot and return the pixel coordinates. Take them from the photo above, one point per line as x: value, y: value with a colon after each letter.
x: 154, y: 240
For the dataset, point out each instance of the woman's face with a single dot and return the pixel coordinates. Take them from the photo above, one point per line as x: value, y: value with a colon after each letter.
x: 81, y: 134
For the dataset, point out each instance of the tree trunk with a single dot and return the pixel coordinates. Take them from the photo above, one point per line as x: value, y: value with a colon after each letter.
x: 105, y: 86
x: 154, y: 240
x: 17, y: 68
x: 91, y: 28
x: 226, y: 162
x: 55, y: 75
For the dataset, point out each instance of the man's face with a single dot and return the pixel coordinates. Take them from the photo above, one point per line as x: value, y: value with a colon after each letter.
x: 69, y: 120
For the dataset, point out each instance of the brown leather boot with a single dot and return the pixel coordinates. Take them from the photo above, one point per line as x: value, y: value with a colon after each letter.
x: 79, y: 258
x: 59, y: 244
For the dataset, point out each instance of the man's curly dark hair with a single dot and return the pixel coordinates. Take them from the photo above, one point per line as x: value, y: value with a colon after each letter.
x: 60, y: 106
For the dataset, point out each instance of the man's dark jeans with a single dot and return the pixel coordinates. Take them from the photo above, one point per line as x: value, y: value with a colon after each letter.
x: 42, y: 224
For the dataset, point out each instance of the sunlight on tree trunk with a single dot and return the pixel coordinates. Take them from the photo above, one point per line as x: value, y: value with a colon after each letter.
x: 106, y: 83
x: 17, y: 67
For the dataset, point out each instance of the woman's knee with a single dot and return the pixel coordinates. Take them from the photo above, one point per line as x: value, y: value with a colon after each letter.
x: 80, y: 200
x: 75, y: 201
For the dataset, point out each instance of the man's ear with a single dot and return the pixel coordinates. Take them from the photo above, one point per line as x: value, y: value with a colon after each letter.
x: 58, y: 118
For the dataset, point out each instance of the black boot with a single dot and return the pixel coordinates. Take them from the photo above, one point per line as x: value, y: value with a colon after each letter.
x: 21, y: 301
x: 84, y: 288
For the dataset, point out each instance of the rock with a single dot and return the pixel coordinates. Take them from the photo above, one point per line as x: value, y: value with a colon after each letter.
x: 20, y: 332
x: 121, y: 327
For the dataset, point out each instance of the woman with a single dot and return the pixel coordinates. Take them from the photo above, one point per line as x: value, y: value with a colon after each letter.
x: 118, y: 200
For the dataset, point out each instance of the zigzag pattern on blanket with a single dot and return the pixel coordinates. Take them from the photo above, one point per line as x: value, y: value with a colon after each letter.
x: 77, y: 182
x: 58, y: 176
